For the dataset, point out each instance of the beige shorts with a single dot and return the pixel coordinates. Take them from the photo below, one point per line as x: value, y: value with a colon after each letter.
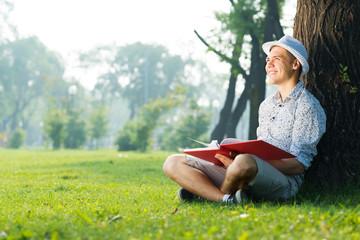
x: 268, y: 184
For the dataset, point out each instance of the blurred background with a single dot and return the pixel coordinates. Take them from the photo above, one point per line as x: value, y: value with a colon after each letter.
x: 127, y: 74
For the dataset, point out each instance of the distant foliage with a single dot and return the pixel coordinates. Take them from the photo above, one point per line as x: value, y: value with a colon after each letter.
x: 126, y: 139
x: 55, y: 123
x: 137, y: 71
x: 194, y: 123
x: 28, y: 72
x: 75, y: 131
x: 17, y: 138
x: 136, y: 134
x: 98, y: 124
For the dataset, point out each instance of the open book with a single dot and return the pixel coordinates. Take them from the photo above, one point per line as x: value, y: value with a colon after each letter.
x: 258, y: 148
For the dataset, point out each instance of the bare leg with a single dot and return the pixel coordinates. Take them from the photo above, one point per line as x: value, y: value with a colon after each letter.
x: 192, y: 179
x: 239, y: 173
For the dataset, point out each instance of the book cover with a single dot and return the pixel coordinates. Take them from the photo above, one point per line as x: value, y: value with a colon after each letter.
x: 258, y: 148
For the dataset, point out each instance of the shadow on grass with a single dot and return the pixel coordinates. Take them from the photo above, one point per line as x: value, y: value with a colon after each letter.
x: 309, y: 196
x: 348, y: 196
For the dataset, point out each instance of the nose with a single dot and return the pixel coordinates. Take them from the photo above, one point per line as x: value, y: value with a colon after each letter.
x: 269, y: 61
x: 269, y: 64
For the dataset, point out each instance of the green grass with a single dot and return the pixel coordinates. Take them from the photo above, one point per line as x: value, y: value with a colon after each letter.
x: 104, y: 194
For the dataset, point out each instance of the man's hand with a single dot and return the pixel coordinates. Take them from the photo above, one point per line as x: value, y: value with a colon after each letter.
x: 224, y: 159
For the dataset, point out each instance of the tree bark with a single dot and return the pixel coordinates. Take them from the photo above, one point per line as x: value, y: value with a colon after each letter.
x: 330, y: 31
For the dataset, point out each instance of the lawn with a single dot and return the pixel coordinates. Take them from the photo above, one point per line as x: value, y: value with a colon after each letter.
x: 105, y: 194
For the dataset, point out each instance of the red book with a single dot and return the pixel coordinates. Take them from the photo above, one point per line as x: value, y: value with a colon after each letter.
x: 258, y: 148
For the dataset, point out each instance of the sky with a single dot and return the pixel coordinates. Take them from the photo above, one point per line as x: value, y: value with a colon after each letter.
x: 71, y: 26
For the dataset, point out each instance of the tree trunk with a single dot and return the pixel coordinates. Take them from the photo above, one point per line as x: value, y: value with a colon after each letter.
x: 257, y: 92
x: 255, y: 84
x: 272, y: 28
x: 330, y: 31
x: 238, y: 111
x: 272, y: 22
x: 219, y: 131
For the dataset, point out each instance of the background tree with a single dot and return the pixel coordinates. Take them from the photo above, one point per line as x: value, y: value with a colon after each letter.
x: 75, y: 130
x: 98, y: 124
x: 54, y: 126
x: 246, y: 20
x: 121, y: 71
x: 7, y: 30
x: 137, y: 72
x: 192, y: 121
x: 25, y: 67
x: 137, y: 133
x: 330, y: 31
x: 17, y: 138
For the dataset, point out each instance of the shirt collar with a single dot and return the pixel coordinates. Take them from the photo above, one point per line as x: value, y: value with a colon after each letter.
x: 294, y: 94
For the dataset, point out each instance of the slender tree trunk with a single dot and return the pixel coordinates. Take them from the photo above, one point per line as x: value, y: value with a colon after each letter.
x: 219, y: 131
x: 257, y: 92
x: 254, y: 90
x: 272, y: 28
x: 272, y: 22
x: 330, y: 31
x: 238, y: 111
x: 132, y: 111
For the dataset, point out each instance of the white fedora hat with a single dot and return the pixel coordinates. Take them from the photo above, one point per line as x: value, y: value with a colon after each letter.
x: 294, y: 46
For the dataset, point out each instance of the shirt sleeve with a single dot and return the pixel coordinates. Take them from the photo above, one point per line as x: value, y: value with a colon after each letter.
x: 309, y: 126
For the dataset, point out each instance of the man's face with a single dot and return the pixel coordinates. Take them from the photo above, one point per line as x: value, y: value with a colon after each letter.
x: 280, y: 65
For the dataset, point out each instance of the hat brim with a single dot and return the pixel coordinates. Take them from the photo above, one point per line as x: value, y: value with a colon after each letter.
x: 304, y: 64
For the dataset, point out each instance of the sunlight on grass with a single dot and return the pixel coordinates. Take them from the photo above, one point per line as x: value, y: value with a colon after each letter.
x: 110, y: 195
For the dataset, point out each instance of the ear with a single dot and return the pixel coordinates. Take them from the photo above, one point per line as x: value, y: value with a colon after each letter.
x: 296, y: 64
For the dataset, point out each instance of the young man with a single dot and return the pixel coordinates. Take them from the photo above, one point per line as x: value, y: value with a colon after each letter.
x: 291, y: 119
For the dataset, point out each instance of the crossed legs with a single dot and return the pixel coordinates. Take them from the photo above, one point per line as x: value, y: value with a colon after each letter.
x: 237, y: 176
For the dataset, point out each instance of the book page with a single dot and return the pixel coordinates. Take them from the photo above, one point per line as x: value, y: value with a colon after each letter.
x: 213, y: 145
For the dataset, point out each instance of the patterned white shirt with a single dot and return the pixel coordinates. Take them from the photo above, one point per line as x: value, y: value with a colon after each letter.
x: 294, y: 125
